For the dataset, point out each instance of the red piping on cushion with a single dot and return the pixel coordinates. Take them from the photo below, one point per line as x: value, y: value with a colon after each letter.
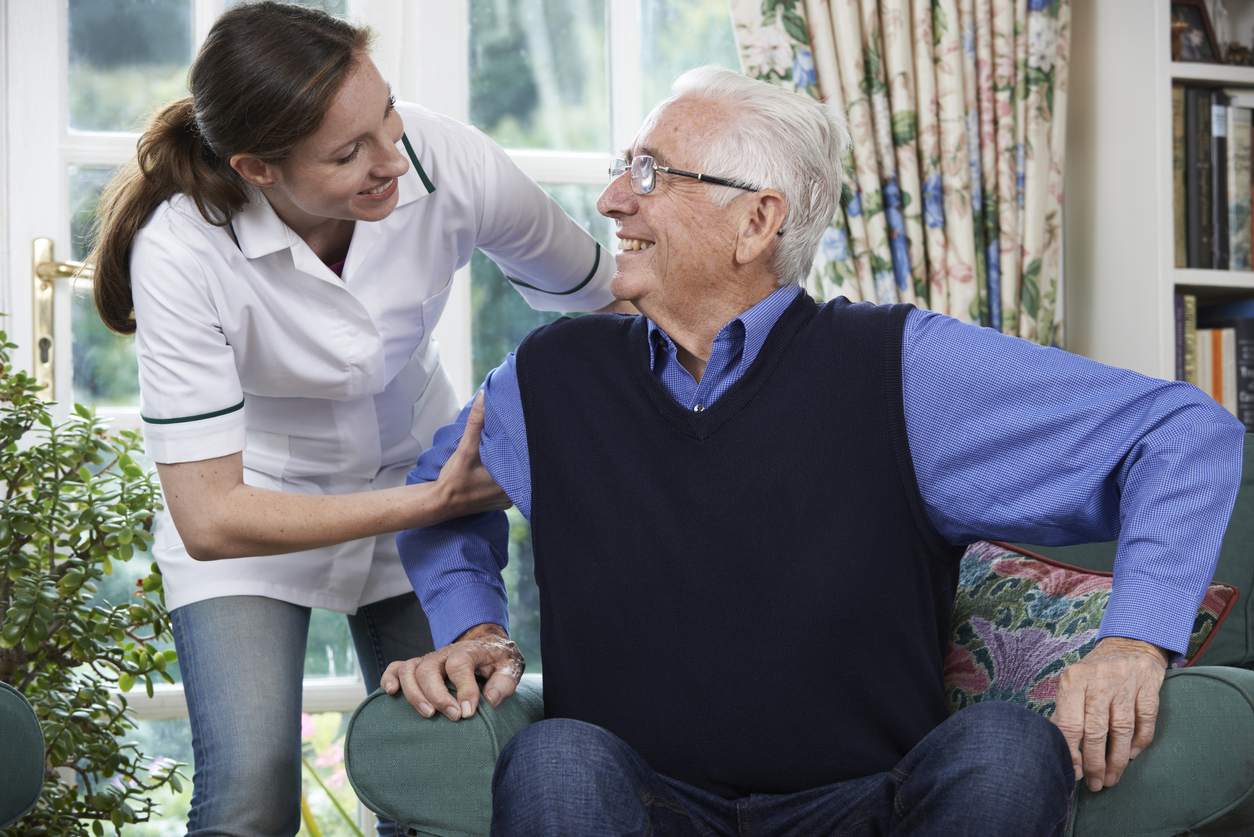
x: 1236, y: 594
x: 1219, y: 620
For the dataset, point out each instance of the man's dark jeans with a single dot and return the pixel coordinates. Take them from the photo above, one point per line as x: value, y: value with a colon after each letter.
x: 993, y: 769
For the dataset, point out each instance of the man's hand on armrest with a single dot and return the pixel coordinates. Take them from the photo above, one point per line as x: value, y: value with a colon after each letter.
x: 485, y: 650
x: 1107, y: 705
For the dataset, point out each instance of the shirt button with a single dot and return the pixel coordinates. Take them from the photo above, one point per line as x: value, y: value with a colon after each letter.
x: 698, y: 408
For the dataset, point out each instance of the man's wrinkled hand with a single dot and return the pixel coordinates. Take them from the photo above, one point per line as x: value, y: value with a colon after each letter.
x: 1107, y: 705
x: 485, y: 650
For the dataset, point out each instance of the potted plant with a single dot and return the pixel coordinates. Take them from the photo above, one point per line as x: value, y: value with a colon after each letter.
x: 74, y: 504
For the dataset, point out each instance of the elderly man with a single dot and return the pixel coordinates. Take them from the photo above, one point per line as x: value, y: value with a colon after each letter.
x: 748, y: 512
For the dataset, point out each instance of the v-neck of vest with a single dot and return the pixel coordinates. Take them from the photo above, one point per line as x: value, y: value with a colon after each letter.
x: 701, y: 425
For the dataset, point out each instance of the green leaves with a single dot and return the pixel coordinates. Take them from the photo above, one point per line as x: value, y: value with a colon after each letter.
x: 74, y: 506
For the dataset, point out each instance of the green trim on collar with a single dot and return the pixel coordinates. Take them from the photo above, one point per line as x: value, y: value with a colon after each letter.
x: 200, y: 417
x: 426, y: 181
x: 230, y: 228
x: 595, y: 265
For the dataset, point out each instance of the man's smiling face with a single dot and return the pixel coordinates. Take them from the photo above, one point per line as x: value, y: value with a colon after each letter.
x: 674, y: 243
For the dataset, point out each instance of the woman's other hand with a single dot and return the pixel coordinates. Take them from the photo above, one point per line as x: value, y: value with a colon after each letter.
x: 464, y: 482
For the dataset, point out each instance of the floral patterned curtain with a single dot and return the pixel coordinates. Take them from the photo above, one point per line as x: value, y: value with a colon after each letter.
x: 953, y: 187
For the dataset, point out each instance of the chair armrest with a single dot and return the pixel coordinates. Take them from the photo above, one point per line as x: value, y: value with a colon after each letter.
x: 433, y: 775
x: 1197, y: 775
x: 21, y: 756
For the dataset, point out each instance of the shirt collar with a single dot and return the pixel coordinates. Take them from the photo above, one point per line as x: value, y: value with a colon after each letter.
x: 258, y: 228
x: 756, y: 324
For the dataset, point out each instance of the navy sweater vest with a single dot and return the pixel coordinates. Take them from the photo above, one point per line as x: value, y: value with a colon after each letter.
x: 752, y: 596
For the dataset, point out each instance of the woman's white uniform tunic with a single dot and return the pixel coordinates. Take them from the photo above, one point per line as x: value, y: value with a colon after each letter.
x: 332, y: 385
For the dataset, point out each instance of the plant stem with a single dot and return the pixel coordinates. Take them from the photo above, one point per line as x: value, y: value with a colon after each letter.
x: 331, y: 797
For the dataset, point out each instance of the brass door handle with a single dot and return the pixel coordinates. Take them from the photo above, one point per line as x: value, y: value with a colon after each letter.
x: 45, y: 270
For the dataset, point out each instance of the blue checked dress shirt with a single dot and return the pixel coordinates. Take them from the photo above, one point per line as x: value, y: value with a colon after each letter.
x: 1010, y: 440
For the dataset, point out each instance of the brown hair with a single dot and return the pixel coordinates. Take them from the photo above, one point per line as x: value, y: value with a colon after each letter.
x: 262, y: 82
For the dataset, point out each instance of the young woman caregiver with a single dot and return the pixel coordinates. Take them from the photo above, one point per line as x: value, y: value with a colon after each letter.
x: 286, y: 241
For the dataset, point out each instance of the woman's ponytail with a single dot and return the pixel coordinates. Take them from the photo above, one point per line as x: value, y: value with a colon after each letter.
x: 171, y: 158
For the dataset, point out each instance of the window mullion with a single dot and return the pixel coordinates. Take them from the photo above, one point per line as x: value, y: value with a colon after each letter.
x: 321, y: 694
x: 625, y: 73
x: 582, y: 168
x: 204, y: 13
x: 435, y: 73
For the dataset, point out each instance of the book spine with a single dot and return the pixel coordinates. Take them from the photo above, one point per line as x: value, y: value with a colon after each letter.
x: 1197, y: 177
x: 1190, y: 338
x: 1239, y: 243
x: 1245, y: 372
x: 1219, y: 178
x: 1178, y: 309
x: 1228, y: 368
x: 1177, y: 173
x: 1205, y: 380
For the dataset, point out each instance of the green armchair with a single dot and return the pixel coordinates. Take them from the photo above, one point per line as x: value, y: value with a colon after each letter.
x: 435, y: 776
x: 1197, y: 778
x: 21, y: 756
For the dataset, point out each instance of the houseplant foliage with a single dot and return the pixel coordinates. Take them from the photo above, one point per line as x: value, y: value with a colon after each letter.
x: 73, y: 505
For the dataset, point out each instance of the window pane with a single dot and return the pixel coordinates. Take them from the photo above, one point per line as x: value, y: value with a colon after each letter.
x: 165, y: 740
x: 335, y: 7
x: 105, y: 370
x: 126, y: 58
x: 322, y: 746
x: 538, y: 75
x: 500, y: 316
x: 329, y: 649
x: 677, y: 35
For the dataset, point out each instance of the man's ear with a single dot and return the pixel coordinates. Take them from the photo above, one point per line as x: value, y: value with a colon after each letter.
x: 760, y: 225
x: 254, y: 170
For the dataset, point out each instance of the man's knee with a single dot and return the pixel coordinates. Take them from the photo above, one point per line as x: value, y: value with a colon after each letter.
x: 560, y: 776
x: 558, y: 750
x: 1006, y: 741
x: 995, y: 763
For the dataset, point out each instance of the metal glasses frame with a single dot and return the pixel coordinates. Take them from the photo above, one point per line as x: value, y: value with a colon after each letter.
x: 643, y: 181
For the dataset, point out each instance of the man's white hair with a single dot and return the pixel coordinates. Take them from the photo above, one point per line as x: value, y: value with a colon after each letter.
x: 774, y: 139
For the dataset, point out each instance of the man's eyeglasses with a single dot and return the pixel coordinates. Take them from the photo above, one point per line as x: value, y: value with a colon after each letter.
x: 643, y: 180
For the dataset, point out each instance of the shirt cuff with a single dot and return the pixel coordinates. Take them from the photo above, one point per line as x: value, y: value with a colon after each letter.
x: 1141, y: 609
x: 464, y: 607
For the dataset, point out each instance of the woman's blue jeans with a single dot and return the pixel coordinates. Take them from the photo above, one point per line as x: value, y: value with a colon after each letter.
x: 992, y: 770
x: 242, y: 659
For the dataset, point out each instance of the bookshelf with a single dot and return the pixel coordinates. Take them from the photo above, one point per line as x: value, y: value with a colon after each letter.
x: 1119, y: 258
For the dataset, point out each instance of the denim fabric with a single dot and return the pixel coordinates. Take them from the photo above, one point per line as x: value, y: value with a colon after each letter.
x: 242, y: 660
x: 993, y: 769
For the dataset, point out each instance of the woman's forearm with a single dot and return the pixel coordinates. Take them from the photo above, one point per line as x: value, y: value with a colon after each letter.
x: 246, y: 520
x: 218, y: 515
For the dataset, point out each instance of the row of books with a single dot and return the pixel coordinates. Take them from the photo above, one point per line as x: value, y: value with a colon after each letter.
x: 1212, y: 134
x: 1215, y: 351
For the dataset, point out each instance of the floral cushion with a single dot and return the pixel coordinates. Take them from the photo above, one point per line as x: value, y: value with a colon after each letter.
x: 1021, y: 618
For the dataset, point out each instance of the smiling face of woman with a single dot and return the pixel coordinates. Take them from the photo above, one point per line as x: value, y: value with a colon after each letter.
x: 346, y: 170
